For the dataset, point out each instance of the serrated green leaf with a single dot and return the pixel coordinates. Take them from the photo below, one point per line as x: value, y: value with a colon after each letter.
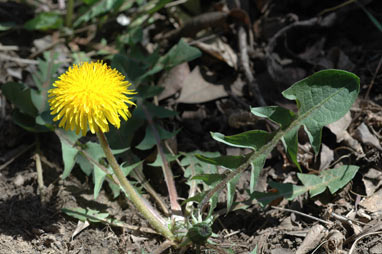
x: 195, y: 166
x: 85, y: 165
x: 341, y: 175
x: 284, y: 190
x: 253, y: 139
x: 277, y: 114
x: 197, y: 198
x: 209, y: 179
x: 27, y: 122
x: 159, y: 162
x: 158, y: 6
x: 98, y: 179
x: 92, y: 215
x: 313, y: 182
x: 68, y: 155
x: 45, y: 21
x: 231, y: 189
x: 94, y: 150
x: 121, y: 138
x: 334, y: 179
x: 149, y: 140
x: 135, y: 35
x: 290, y: 142
x: 178, y: 54
x: 135, y: 64
x: 159, y: 112
x: 19, y: 95
x: 126, y: 169
x: 190, y: 159
x: 85, y: 214
x: 98, y: 8
x: 115, y: 189
x: 148, y: 91
x: 323, y: 98
x: 69, y: 152
x: 227, y: 161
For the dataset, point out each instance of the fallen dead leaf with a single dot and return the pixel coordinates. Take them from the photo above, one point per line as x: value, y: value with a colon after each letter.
x: 372, y: 181
x: 334, y: 242
x: 363, y: 134
x: 173, y: 79
x: 373, y: 203
x: 220, y: 50
x: 312, y: 239
x: 339, y: 128
x: 326, y: 157
x: 196, y: 90
x: 81, y: 225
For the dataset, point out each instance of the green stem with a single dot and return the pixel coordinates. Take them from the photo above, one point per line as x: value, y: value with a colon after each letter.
x: 69, y: 13
x: 143, y: 206
x: 263, y: 151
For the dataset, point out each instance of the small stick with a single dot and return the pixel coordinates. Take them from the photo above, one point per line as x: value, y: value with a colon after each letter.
x: 377, y: 227
x: 303, y: 214
x: 8, y: 47
x: 360, y: 237
x: 40, y: 179
x: 17, y: 59
x: 345, y: 219
x: 373, y: 79
x: 22, y: 150
x: 164, y: 246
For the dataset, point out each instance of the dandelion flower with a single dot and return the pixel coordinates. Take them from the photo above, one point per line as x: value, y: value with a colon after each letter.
x: 90, y: 95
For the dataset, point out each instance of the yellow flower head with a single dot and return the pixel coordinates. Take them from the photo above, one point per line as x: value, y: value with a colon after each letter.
x: 90, y: 95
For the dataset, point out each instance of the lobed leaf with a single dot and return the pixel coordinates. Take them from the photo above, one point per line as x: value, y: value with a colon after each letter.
x: 19, y: 95
x: 149, y: 140
x: 322, y: 98
x: 227, y: 161
x: 333, y: 179
x: 69, y: 152
x: 276, y: 114
x: 45, y: 21
x: 253, y: 139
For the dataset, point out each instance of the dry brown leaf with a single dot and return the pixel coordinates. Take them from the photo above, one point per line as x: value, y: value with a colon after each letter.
x: 81, y: 225
x: 339, y: 128
x: 172, y: 80
x: 372, y: 181
x: 363, y: 134
x: 220, y: 50
x: 373, y: 203
x: 196, y: 90
x: 312, y: 239
x: 326, y: 157
x: 334, y: 242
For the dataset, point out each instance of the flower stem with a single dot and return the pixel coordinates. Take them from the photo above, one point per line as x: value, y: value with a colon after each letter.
x: 69, y: 13
x: 143, y: 206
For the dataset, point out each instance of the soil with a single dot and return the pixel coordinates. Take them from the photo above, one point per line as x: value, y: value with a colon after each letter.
x: 31, y: 221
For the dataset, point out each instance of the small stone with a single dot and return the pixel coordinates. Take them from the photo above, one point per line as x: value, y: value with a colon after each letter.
x: 19, y: 180
x: 376, y: 249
